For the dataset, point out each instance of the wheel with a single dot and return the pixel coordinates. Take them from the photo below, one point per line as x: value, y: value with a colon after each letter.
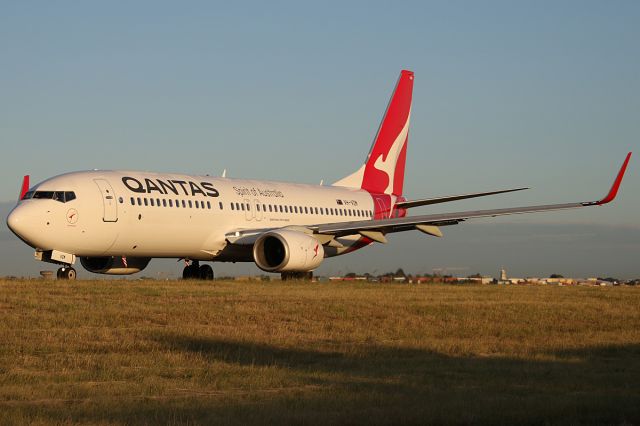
x: 206, y: 272
x: 189, y: 272
x: 70, y: 274
x: 66, y: 273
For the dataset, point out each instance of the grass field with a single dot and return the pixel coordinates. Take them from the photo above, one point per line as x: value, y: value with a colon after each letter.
x: 153, y: 352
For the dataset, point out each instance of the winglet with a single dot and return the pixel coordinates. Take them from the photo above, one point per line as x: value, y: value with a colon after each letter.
x: 616, y: 184
x: 25, y: 187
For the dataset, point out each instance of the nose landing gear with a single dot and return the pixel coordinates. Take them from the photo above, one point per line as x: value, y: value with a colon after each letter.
x: 195, y: 271
x: 66, y: 273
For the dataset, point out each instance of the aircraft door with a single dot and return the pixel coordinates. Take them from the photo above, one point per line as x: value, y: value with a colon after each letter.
x: 110, y: 212
x: 258, y: 209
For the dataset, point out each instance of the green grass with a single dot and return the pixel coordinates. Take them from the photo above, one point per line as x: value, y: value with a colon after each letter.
x: 154, y: 352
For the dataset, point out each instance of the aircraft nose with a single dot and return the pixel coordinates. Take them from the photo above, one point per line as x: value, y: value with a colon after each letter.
x: 18, y: 223
x: 13, y: 221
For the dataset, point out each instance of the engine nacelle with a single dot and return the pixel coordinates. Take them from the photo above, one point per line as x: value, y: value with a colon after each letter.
x: 285, y: 250
x: 111, y: 265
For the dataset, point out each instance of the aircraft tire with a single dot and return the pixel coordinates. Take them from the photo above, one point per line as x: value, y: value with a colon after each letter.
x: 70, y: 274
x: 206, y: 273
x: 66, y: 273
x: 189, y: 272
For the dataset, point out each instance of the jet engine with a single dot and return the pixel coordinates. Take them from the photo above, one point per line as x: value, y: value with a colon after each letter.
x: 285, y: 250
x: 111, y: 265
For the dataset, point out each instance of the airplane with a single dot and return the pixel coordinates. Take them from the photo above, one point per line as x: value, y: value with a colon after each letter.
x: 115, y: 222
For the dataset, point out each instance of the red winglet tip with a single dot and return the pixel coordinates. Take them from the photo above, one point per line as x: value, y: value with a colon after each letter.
x: 616, y: 184
x: 25, y: 186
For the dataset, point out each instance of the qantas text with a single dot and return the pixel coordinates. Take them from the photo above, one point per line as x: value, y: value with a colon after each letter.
x: 174, y: 186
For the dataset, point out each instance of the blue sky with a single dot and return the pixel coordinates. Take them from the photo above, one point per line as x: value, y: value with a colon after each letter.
x: 540, y: 94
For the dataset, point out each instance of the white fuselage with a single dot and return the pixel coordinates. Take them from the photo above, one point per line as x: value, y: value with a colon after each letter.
x: 140, y: 214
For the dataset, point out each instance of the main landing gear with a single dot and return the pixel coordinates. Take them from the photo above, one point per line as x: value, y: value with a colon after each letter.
x: 66, y: 273
x: 195, y: 271
x: 296, y: 276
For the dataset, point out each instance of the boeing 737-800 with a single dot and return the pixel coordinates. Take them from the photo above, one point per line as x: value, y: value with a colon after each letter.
x: 115, y: 222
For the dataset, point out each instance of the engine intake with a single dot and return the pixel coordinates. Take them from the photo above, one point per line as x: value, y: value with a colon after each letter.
x: 111, y: 265
x: 284, y: 250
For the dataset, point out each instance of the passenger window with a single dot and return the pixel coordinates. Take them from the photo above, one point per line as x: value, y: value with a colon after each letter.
x: 190, y: 206
x: 132, y: 201
x: 164, y: 203
x: 257, y: 207
x: 170, y: 203
x: 146, y: 202
x: 151, y: 201
x: 209, y: 205
x: 242, y: 206
x: 197, y: 204
x: 139, y: 201
x: 220, y: 204
x: 306, y: 210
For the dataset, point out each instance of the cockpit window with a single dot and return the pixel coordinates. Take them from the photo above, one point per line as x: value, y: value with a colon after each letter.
x: 62, y: 196
x: 28, y: 195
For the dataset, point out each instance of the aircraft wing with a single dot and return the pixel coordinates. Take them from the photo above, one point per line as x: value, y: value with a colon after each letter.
x: 376, y: 229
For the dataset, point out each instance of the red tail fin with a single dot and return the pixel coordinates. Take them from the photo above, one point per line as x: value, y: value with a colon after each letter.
x: 383, y: 171
x: 25, y: 187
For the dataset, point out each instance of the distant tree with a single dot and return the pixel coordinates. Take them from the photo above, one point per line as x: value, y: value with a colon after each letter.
x: 350, y: 275
x: 477, y: 275
x: 400, y: 273
x: 555, y: 276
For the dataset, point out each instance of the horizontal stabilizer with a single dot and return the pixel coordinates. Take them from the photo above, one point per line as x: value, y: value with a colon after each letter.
x: 427, y: 201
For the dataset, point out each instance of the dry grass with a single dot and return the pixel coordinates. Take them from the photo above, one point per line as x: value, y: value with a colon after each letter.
x: 149, y: 352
